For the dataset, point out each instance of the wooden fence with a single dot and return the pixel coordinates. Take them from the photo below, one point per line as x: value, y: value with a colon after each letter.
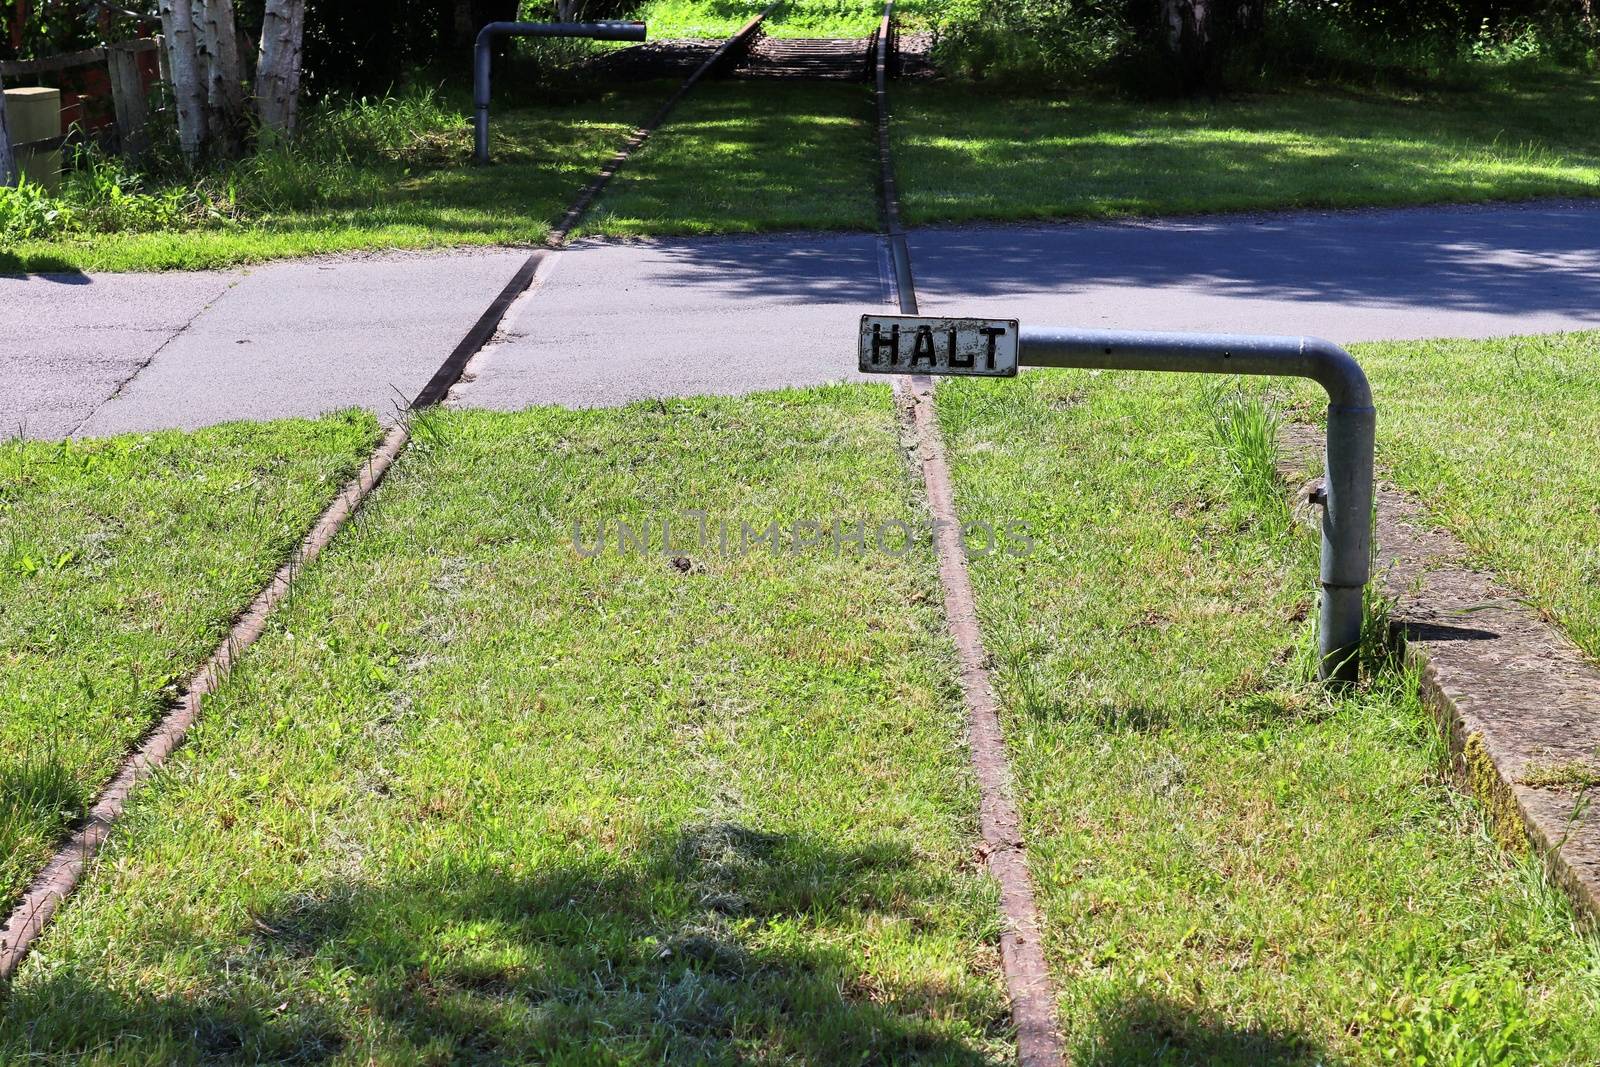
x: 105, y: 92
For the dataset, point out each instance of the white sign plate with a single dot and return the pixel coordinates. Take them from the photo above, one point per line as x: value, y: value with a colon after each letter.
x: 907, y: 344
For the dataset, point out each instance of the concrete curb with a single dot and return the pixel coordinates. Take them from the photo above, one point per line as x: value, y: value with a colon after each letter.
x: 1518, y: 700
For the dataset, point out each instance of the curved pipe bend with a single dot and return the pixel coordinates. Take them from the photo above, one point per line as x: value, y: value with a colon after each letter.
x: 1338, y: 373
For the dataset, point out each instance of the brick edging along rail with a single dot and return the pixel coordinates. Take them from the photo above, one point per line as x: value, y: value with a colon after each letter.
x: 1518, y: 701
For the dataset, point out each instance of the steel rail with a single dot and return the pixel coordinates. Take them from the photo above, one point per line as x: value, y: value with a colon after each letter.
x: 1027, y: 976
x: 64, y: 871
x: 888, y: 191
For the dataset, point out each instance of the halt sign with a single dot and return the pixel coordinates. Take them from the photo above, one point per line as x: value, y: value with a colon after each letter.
x: 907, y: 344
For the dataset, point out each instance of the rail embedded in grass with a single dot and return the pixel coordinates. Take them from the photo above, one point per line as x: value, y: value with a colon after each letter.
x: 470, y: 768
x: 64, y: 870
x: 785, y: 155
x: 121, y: 562
x: 1227, y: 858
x: 1028, y: 984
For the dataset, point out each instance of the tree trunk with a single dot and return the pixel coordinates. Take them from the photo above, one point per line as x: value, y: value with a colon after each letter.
x: 465, y: 26
x: 278, y: 70
x: 183, y: 66
x: 218, y: 43
x: 8, y: 161
x: 1200, y: 33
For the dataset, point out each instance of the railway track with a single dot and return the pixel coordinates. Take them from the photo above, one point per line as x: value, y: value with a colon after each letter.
x: 65, y: 869
x: 1032, y: 1000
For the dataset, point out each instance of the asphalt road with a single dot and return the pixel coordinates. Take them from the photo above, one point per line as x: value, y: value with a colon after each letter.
x: 607, y: 324
x: 89, y: 355
x: 610, y: 323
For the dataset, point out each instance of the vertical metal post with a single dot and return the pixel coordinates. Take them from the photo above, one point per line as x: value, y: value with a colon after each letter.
x: 1352, y: 423
x: 480, y: 97
x: 481, y: 58
x: 1346, y: 537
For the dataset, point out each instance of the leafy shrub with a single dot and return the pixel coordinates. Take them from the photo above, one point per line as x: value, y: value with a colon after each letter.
x: 1048, y: 42
x: 1450, y: 43
x: 28, y: 210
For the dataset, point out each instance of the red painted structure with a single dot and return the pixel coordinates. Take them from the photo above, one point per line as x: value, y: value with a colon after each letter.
x: 86, y: 86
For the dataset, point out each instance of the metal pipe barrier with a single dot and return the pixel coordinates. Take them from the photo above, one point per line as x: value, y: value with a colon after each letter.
x: 597, y: 31
x: 1352, y: 422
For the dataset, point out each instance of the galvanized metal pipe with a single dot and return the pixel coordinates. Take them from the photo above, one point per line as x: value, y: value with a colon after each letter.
x: 1352, y: 422
x: 598, y: 31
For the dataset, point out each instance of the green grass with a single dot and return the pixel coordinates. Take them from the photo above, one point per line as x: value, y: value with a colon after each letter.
x: 122, y: 562
x: 475, y: 796
x: 795, y: 18
x: 753, y: 156
x: 1501, y: 440
x: 966, y: 155
x: 296, y: 203
x: 1232, y: 867
x: 749, y: 157
x: 479, y: 794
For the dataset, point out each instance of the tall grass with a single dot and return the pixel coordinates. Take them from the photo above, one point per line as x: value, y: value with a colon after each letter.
x: 36, y: 792
x: 348, y: 152
x: 1245, y: 432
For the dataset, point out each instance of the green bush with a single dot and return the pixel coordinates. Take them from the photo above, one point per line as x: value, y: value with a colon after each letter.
x: 1048, y: 42
x: 28, y: 210
x: 1438, y: 43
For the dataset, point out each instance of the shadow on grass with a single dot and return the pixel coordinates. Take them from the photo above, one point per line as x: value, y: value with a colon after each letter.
x: 710, y: 945
x: 750, y: 157
x: 1145, y: 1032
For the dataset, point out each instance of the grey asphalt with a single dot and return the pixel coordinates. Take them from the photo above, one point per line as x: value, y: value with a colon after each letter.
x: 68, y: 341
x: 102, y: 354
x: 608, y: 323
x: 1345, y: 276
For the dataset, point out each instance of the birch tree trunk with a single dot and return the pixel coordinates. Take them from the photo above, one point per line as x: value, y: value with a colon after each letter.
x: 8, y: 162
x: 217, y: 41
x: 183, y: 71
x: 283, y: 25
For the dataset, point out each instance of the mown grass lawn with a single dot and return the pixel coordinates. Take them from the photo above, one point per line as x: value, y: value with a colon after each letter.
x: 1233, y: 868
x: 480, y: 795
x: 966, y: 155
x: 122, y: 562
x: 793, y: 18
x: 1501, y: 440
x: 750, y: 156
x: 543, y: 155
